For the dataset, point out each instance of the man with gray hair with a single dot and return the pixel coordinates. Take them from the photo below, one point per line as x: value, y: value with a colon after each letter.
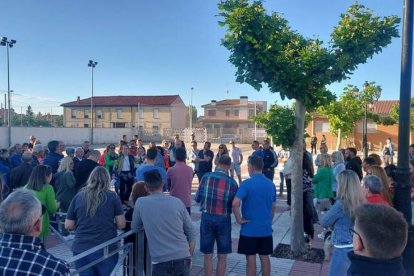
x: 21, y: 250
x: 373, y: 187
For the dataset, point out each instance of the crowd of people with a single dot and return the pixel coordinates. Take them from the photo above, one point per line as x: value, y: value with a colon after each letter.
x: 151, y: 188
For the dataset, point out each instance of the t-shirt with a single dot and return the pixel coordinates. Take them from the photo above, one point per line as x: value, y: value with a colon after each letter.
x: 91, y: 231
x: 258, y: 194
x: 235, y: 155
x: 204, y: 166
x: 181, y: 177
x: 146, y: 168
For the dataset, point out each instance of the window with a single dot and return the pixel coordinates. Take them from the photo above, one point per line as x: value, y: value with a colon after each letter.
x: 322, y: 126
x: 227, y: 113
x: 371, y: 127
x: 86, y: 113
x: 141, y: 113
x: 85, y: 125
x: 156, y: 113
x: 211, y: 112
x: 207, y: 126
x: 73, y: 125
x: 236, y: 113
x: 155, y: 129
x: 119, y: 113
x: 99, y: 113
x: 251, y: 113
x: 73, y: 113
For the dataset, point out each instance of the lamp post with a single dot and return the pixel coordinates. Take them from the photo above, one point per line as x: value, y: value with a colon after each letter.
x: 8, y: 44
x: 373, y: 97
x: 402, y: 200
x: 92, y: 64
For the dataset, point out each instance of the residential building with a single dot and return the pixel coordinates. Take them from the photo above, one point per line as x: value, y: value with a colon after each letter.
x: 142, y: 112
x: 376, y: 133
x: 232, y: 117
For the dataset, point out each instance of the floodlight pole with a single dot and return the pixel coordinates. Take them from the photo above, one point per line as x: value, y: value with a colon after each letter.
x: 92, y: 64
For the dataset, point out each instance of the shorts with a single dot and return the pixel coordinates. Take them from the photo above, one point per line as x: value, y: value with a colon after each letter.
x: 215, y: 228
x: 255, y: 245
x: 235, y: 167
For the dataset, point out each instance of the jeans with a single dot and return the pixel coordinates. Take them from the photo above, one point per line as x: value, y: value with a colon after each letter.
x: 282, y: 179
x: 340, y: 262
x: 215, y: 229
x: 102, y: 269
x: 180, y: 267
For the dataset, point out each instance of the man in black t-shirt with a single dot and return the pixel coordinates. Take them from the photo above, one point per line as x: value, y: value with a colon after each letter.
x: 204, y: 160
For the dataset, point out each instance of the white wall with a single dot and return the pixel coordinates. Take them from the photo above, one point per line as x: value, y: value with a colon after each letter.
x: 71, y: 136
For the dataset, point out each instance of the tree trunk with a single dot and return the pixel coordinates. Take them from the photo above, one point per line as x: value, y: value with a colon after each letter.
x: 297, y: 240
x: 339, y: 141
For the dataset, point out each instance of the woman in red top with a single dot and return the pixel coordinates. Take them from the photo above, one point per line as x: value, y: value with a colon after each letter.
x: 373, y: 187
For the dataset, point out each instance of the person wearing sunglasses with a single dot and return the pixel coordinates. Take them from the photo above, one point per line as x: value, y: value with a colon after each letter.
x: 379, y: 238
x: 22, y: 252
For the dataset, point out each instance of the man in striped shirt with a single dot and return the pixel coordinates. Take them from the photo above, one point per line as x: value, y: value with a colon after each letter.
x: 215, y: 195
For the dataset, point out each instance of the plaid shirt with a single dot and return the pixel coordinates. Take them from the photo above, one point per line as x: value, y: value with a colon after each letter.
x: 23, y: 255
x: 216, y: 193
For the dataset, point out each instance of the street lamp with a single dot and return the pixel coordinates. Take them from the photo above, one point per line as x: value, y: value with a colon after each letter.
x: 373, y: 98
x: 92, y: 64
x: 8, y: 44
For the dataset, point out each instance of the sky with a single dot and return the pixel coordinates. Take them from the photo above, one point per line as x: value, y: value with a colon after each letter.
x: 154, y: 47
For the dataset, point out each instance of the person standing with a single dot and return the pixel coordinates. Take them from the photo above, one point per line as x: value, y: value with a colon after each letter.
x: 150, y: 166
x: 39, y: 183
x: 110, y: 158
x: 54, y: 156
x: 215, y: 195
x: 388, y: 152
x: 236, y: 156
x: 323, y: 140
x: 84, y: 168
x: 205, y: 161
x: 78, y: 156
x: 257, y: 151
x: 314, y: 143
x: 21, y: 174
x: 180, y: 178
x: 22, y: 252
x: 257, y: 196
x: 125, y: 170
x: 192, y: 156
x: 168, y: 226
x: 86, y: 150
x: 270, y: 160
x: 354, y: 163
x: 341, y: 217
x: 92, y: 214
x: 65, y: 183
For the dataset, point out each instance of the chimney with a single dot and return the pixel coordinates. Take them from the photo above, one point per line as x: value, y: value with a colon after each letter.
x: 244, y: 100
x: 78, y: 100
x: 213, y: 102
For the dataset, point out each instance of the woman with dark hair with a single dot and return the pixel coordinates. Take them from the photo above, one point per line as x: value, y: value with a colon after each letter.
x: 110, y: 158
x: 39, y: 183
x: 309, y: 212
x: 222, y: 150
x: 390, y: 171
x: 92, y: 213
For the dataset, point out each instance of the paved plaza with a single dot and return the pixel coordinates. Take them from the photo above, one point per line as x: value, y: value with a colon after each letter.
x: 236, y: 263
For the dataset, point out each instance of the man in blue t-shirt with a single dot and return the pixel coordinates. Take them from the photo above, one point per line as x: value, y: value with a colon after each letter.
x: 150, y: 166
x: 257, y: 151
x: 258, y: 195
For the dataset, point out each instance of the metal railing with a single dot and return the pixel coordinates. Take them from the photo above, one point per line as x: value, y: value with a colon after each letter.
x: 135, y: 258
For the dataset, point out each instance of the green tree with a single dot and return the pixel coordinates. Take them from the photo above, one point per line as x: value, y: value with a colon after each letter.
x: 29, y: 118
x: 344, y: 113
x: 59, y: 121
x: 265, y: 50
x: 395, y: 113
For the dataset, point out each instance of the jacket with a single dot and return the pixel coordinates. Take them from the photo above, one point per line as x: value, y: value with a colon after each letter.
x: 366, y: 266
x: 337, y: 218
x: 120, y: 162
x: 270, y: 160
x: 355, y: 164
x: 322, y: 183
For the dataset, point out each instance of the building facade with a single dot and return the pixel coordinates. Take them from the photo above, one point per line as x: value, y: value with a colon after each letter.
x: 142, y: 112
x: 376, y: 133
x: 232, y: 117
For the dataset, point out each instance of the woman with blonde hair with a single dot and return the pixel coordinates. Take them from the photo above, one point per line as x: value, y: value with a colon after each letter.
x: 65, y: 184
x: 341, y: 218
x: 386, y: 191
x: 322, y: 183
x: 92, y: 213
